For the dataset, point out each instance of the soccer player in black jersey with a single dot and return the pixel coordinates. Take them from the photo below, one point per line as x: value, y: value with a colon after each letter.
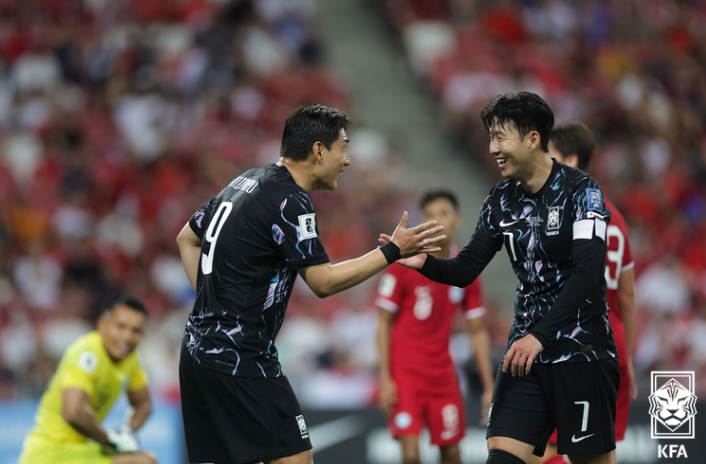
x: 560, y: 369
x: 242, y: 252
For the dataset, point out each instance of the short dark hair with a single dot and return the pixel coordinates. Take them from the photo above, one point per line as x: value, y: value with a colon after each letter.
x: 526, y: 111
x: 130, y: 301
x: 432, y: 195
x: 310, y: 124
x: 574, y: 137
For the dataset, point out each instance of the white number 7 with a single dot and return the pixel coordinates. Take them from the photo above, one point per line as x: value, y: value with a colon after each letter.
x: 214, y: 229
x: 584, y: 422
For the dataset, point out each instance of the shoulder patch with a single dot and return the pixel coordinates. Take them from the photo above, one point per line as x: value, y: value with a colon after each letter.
x: 307, y: 225
x: 594, y: 200
x: 88, y: 362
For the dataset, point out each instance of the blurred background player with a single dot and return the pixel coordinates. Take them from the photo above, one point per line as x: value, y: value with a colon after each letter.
x: 418, y: 382
x: 92, y: 374
x: 573, y: 144
x: 238, y: 405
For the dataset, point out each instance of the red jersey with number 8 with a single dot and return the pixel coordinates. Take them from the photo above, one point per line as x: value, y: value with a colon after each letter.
x: 419, y: 343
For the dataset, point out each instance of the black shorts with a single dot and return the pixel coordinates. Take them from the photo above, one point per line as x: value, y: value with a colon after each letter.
x: 238, y: 420
x: 578, y: 399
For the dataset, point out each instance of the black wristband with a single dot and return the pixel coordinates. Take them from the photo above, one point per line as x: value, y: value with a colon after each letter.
x: 391, y: 252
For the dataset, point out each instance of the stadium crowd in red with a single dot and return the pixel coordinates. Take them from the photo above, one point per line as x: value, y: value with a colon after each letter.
x: 635, y: 72
x: 117, y: 121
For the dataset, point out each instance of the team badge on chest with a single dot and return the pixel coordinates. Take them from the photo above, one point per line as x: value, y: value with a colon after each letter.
x: 553, y: 220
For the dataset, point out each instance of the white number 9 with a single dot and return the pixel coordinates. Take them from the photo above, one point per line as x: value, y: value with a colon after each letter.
x: 214, y: 229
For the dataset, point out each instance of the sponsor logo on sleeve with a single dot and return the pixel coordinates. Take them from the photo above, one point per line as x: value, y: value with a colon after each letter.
x: 594, y: 200
x: 302, y: 427
x: 307, y: 225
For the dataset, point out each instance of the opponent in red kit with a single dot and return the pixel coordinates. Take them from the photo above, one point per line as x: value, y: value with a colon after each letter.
x: 418, y: 382
x: 573, y: 144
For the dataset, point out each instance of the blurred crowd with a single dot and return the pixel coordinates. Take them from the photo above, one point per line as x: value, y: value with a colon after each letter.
x: 118, y: 119
x: 635, y: 72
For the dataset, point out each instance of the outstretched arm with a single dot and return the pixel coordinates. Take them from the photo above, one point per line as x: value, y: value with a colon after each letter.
x: 328, y: 279
x: 462, y: 270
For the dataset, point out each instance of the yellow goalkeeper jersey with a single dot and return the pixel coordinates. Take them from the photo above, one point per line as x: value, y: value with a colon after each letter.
x: 86, y: 365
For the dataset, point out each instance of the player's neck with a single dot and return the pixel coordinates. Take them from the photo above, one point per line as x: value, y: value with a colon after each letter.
x: 299, y: 172
x: 537, y: 174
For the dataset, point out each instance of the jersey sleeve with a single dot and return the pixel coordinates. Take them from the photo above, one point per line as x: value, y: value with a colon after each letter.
x: 79, y: 370
x: 473, y: 300
x: 487, y: 227
x: 200, y: 220
x: 590, y: 214
x: 390, y: 289
x: 296, y: 234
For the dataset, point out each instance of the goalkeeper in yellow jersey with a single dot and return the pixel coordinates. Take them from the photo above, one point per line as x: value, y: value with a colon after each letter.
x: 92, y: 374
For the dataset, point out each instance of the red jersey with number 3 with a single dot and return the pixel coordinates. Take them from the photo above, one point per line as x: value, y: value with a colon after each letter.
x: 618, y: 260
x: 419, y: 340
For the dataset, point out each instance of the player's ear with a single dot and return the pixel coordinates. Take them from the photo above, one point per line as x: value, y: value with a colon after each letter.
x: 317, y: 150
x: 534, y: 140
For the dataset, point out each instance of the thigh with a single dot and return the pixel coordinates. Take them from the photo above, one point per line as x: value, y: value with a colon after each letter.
x: 582, y: 397
x: 305, y: 457
x: 445, y: 417
x: 65, y: 453
x: 622, y: 404
x: 258, y: 419
x: 407, y: 414
x: 520, y: 410
x: 203, y: 441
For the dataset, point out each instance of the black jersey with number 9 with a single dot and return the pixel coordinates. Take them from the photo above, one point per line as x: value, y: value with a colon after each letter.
x: 256, y: 234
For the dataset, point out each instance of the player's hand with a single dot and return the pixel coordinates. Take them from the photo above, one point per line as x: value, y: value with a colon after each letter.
x: 388, y: 396
x: 633, y: 383
x: 419, y: 239
x: 521, y: 355
x: 415, y: 262
x: 123, y: 440
x: 485, y: 400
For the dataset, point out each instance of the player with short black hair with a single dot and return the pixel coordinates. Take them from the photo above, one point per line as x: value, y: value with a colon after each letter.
x: 242, y: 252
x: 572, y: 143
x: 129, y: 301
x: 560, y: 369
x: 418, y: 382
x: 92, y: 374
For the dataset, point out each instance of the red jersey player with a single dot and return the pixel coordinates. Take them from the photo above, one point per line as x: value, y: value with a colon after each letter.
x: 418, y: 382
x: 573, y: 144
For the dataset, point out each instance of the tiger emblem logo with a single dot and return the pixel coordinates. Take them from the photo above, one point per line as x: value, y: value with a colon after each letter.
x: 672, y: 405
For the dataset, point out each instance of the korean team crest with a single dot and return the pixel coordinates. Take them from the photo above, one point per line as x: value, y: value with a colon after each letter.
x: 553, y: 218
x: 672, y: 405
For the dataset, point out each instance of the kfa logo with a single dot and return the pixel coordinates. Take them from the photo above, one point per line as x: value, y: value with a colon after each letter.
x: 302, y: 427
x: 673, y: 405
x: 553, y: 220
